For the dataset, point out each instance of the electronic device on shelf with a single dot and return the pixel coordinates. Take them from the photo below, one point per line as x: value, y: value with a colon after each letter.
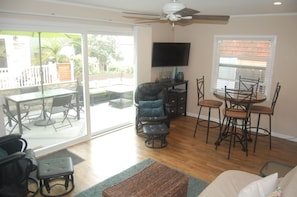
x: 165, y: 54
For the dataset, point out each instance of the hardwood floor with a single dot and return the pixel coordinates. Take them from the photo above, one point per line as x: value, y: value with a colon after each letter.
x: 110, y: 154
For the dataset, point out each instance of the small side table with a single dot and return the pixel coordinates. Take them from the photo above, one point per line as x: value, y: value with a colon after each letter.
x: 53, y: 172
x: 156, y: 135
x: 271, y: 167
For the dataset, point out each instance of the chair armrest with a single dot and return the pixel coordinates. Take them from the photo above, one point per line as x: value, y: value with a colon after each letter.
x: 31, y: 156
x: 12, y: 157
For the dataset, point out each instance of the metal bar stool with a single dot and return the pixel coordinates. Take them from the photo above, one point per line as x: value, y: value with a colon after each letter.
x: 237, y: 108
x: 207, y: 103
x: 265, y: 110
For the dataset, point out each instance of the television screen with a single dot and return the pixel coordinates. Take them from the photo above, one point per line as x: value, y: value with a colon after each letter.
x: 170, y: 54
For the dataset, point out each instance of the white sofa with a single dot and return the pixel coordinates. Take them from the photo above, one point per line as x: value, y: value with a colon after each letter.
x: 235, y: 183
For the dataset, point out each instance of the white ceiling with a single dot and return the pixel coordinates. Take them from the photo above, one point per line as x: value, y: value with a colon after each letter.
x: 215, y: 7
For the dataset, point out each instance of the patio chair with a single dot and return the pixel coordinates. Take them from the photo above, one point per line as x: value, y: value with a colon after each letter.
x: 11, y: 117
x: 16, y: 164
x: 60, y: 104
x: 81, y: 103
x: 31, y: 105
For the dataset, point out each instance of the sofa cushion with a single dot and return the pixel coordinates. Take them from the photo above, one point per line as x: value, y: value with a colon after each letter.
x: 261, y: 187
x: 229, y: 183
x: 276, y: 193
x: 288, y: 183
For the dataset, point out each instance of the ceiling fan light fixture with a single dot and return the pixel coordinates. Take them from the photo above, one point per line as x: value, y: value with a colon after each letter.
x: 173, y: 17
x: 177, y: 14
x: 173, y: 7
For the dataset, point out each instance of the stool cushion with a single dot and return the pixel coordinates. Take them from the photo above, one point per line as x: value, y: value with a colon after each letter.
x: 156, y: 135
x: 53, y: 173
x: 210, y: 103
x: 55, y: 167
x: 155, y: 129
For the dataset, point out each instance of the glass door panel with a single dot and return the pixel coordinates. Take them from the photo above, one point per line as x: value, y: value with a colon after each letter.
x: 111, y: 82
x: 49, y: 63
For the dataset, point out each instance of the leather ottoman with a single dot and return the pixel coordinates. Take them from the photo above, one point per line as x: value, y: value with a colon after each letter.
x: 56, y: 172
x: 156, y: 135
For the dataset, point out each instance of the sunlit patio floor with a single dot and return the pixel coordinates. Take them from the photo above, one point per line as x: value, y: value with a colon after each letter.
x: 103, y: 118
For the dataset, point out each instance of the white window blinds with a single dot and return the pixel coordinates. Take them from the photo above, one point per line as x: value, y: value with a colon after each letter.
x: 248, y: 57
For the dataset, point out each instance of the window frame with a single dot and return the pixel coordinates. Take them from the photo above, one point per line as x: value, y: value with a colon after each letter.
x: 270, y: 62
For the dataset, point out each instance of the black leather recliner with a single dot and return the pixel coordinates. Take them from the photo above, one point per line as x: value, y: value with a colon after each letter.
x: 16, y: 164
x: 154, y: 92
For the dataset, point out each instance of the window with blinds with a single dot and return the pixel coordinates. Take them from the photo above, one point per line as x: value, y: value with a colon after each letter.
x: 248, y: 57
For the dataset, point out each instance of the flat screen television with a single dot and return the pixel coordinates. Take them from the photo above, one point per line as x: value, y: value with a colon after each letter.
x: 170, y: 54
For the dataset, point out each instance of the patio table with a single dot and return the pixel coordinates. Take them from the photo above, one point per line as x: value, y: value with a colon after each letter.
x: 21, y: 98
x: 117, y: 98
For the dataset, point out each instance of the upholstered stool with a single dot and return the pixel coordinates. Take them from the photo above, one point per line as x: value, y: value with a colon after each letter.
x: 56, y: 172
x: 156, y: 135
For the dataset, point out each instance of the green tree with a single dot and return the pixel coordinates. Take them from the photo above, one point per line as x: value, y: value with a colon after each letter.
x: 77, y: 59
x: 103, y: 48
x: 51, y: 48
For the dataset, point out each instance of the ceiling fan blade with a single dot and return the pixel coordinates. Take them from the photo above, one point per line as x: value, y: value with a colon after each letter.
x: 211, y: 17
x: 142, y: 18
x: 151, y: 21
x: 184, y: 22
x: 186, y: 17
x: 141, y: 14
x: 186, y: 12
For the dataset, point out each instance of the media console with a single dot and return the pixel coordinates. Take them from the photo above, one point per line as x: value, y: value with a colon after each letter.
x: 177, y: 96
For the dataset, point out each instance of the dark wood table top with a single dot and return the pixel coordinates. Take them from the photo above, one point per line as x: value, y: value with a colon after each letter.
x: 260, y: 97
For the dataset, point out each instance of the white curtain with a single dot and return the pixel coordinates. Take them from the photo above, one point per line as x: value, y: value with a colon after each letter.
x: 143, y: 47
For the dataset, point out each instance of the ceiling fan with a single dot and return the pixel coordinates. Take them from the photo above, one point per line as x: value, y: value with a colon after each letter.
x: 177, y: 13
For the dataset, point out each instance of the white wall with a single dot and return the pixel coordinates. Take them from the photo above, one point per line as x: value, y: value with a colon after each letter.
x: 285, y: 67
x: 38, y: 14
x: 143, y: 37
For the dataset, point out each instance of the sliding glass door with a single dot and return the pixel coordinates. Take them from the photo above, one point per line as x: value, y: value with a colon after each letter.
x: 111, y: 81
x: 51, y: 61
x: 35, y: 67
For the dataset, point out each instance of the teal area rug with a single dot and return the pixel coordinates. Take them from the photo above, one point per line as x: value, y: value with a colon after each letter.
x: 63, y: 153
x: 195, y: 186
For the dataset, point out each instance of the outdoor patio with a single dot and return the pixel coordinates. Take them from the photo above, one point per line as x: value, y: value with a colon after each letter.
x: 103, y: 118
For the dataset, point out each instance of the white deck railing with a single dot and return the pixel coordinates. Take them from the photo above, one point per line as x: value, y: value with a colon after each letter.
x: 30, y: 76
